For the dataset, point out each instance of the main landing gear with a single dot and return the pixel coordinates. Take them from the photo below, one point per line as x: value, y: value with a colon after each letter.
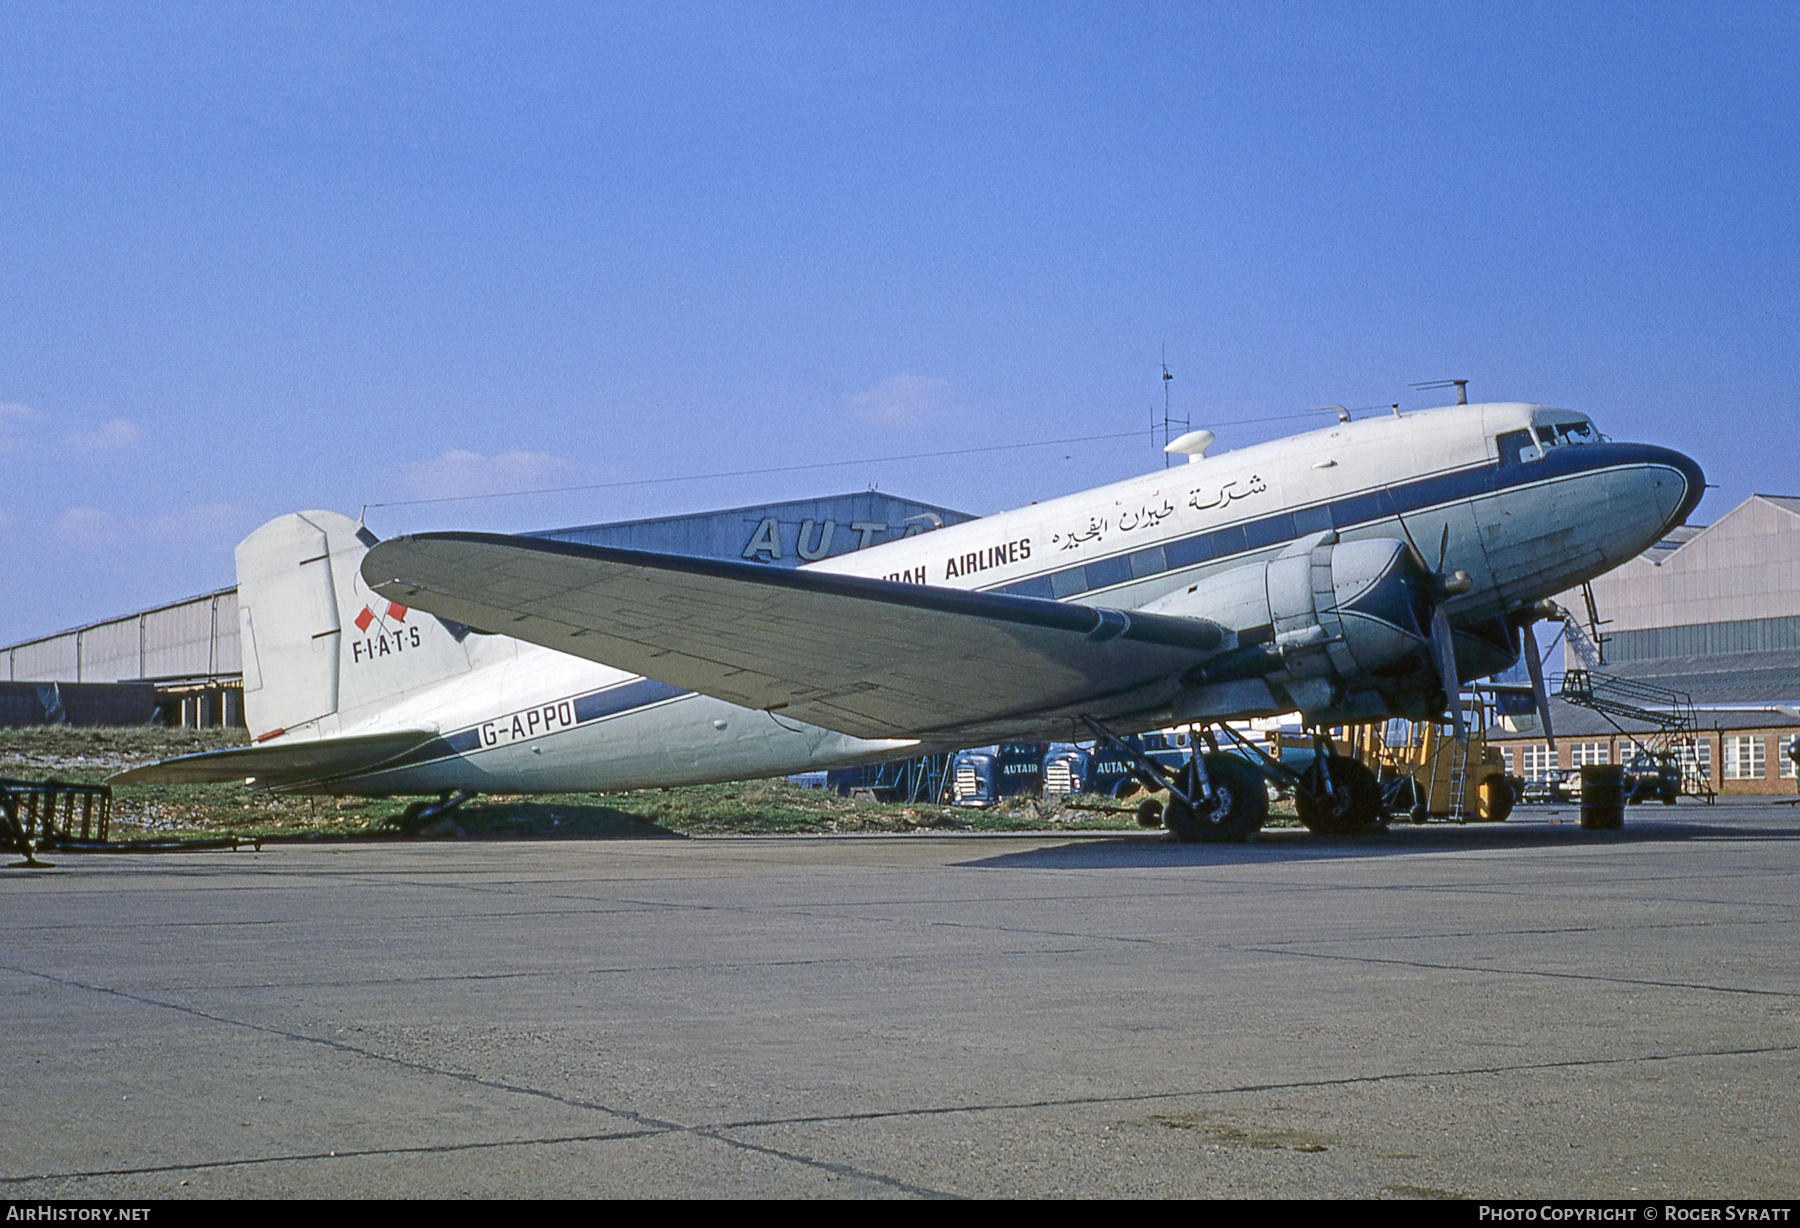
x: 1337, y: 796
x: 1213, y: 799
x: 420, y: 815
x: 1225, y: 802
x: 1216, y: 797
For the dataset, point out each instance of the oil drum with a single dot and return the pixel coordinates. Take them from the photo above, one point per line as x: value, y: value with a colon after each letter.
x: 1603, y: 796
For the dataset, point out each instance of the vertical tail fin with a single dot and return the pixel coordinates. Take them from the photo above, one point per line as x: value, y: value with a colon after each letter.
x: 320, y: 650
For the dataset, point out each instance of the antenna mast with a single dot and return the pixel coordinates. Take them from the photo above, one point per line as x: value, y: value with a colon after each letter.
x: 1167, y: 421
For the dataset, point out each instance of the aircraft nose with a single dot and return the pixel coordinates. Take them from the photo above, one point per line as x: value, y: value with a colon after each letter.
x: 1678, y: 498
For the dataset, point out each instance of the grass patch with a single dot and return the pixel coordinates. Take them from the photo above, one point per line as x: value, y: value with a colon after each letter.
x: 759, y: 807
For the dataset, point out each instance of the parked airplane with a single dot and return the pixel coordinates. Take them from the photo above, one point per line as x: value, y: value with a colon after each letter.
x: 1352, y: 573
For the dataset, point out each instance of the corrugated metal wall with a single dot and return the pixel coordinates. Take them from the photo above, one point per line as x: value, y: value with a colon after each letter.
x: 1743, y: 568
x: 1704, y: 639
x: 196, y: 638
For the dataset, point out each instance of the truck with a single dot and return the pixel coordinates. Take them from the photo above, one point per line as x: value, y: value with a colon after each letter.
x: 1072, y: 767
x: 985, y: 774
x: 1426, y: 772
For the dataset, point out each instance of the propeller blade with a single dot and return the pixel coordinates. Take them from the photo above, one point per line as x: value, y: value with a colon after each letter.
x: 1444, y: 654
x: 1443, y: 546
x: 1539, y: 696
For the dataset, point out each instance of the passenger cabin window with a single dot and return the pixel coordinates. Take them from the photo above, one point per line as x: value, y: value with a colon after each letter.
x: 1516, y: 447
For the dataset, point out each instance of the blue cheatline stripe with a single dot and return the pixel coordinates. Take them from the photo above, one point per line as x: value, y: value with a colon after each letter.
x: 591, y: 707
x: 1349, y: 512
x: 623, y: 698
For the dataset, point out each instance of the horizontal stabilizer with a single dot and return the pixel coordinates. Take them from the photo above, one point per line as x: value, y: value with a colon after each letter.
x: 870, y: 658
x: 283, y: 765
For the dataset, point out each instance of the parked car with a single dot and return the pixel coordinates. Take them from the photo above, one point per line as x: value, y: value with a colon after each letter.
x: 1555, y: 786
x: 1652, y: 775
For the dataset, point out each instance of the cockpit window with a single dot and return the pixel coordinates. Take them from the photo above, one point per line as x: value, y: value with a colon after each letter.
x: 1516, y: 447
x: 1558, y: 434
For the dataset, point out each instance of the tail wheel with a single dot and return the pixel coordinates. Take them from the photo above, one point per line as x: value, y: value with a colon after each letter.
x: 1353, y: 804
x: 1239, y: 804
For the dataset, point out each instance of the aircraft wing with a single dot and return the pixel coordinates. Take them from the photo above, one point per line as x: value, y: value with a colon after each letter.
x: 282, y: 765
x: 866, y: 657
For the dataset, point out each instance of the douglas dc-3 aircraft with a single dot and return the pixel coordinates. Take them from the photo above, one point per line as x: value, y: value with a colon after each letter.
x: 1348, y: 574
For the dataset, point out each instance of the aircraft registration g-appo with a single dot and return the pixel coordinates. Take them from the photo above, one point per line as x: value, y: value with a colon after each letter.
x: 1353, y: 573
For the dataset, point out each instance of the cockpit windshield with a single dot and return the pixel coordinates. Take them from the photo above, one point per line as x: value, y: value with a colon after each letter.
x: 1556, y: 434
x: 1517, y: 447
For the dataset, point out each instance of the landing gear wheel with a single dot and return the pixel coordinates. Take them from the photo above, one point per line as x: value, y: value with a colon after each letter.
x: 1496, y: 800
x: 1402, y: 796
x: 1150, y: 813
x: 1352, y: 806
x: 418, y: 814
x: 1239, y: 806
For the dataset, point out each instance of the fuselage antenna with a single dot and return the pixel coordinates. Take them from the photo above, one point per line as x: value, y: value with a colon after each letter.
x: 1461, y: 386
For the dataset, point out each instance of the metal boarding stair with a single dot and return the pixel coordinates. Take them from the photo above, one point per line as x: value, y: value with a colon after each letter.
x: 43, y: 813
x: 920, y: 779
x: 1670, y: 713
x: 1629, y: 699
x: 1586, y: 651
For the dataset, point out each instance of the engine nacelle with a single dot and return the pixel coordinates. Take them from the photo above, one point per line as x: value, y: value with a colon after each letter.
x: 1333, y: 630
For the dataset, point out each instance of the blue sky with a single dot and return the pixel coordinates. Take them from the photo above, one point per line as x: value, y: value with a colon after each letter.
x: 254, y: 260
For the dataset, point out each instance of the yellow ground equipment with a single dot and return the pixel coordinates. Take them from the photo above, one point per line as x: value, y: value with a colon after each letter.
x: 1426, y: 772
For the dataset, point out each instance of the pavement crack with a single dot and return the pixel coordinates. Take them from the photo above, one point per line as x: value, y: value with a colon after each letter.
x: 1561, y: 976
x: 195, y: 1166
x: 646, y: 1124
x: 1238, y: 1089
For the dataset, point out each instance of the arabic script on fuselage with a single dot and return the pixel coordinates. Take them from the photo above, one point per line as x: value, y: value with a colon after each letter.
x: 1095, y: 531
x: 1146, y: 517
x: 1208, y: 497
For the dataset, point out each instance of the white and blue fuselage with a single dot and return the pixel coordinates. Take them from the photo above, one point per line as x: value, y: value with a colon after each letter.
x: 1528, y: 500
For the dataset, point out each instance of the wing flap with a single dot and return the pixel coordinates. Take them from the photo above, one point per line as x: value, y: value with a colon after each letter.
x: 871, y: 658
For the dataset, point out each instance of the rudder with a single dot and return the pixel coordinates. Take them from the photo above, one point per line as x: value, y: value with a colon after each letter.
x: 320, y: 651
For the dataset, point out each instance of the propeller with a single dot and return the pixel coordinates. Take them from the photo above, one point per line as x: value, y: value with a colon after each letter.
x: 1440, y: 588
x: 1534, y: 664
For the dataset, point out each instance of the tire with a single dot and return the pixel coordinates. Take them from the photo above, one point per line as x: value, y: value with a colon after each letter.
x: 1401, y: 796
x: 1354, y: 804
x: 413, y: 817
x: 1150, y: 813
x: 1497, y: 798
x: 1240, y: 803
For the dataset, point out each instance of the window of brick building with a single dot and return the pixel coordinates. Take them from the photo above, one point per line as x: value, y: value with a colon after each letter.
x: 1743, y: 756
